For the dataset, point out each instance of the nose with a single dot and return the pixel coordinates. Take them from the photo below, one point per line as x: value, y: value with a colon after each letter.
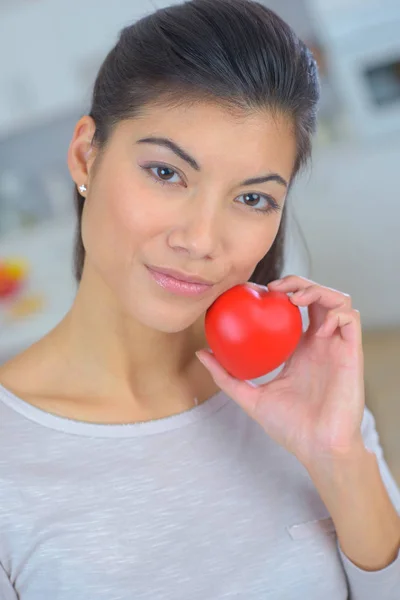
x: 199, y: 232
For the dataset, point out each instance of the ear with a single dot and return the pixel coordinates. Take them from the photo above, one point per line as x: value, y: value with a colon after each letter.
x: 81, y: 152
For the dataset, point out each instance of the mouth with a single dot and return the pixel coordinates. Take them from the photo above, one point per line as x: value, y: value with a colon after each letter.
x: 181, y: 276
x: 178, y: 286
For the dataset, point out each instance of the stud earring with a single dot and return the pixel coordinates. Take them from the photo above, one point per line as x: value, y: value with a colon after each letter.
x: 82, y: 188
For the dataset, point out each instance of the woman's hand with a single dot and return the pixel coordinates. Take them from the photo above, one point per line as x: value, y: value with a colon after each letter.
x: 314, y: 407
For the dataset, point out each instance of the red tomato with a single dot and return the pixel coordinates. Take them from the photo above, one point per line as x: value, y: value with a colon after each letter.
x: 252, y: 332
x: 8, y: 285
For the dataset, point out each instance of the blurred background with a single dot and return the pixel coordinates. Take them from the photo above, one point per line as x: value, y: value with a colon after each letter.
x: 346, y: 206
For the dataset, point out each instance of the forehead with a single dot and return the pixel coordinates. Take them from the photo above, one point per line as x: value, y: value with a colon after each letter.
x: 260, y: 138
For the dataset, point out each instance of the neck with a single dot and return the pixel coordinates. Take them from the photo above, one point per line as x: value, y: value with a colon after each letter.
x: 113, y: 355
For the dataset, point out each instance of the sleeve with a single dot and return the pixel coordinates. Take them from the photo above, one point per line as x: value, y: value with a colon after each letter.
x: 7, y: 592
x: 385, y: 583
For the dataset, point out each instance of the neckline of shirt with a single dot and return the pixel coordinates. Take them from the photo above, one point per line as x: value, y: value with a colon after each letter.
x: 113, y: 430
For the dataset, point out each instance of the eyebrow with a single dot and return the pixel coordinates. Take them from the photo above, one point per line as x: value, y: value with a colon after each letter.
x: 171, y: 145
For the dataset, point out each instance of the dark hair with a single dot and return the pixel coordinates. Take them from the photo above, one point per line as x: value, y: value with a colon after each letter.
x: 236, y: 53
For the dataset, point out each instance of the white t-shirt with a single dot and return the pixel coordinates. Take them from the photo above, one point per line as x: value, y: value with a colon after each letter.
x: 202, y: 505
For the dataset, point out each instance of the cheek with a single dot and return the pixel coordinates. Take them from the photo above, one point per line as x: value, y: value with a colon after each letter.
x: 136, y: 209
x: 254, y: 245
x: 118, y: 221
x: 107, y: 228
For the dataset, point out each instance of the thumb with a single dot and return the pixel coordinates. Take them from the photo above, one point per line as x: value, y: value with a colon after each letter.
x: 244, y: 393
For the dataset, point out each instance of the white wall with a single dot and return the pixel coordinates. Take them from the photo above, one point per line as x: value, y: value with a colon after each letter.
x: 349, y: 210
x: 54, y: 49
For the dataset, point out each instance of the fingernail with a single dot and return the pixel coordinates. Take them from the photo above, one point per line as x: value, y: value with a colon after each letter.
x: 277, y: 282
x: 201, y: 357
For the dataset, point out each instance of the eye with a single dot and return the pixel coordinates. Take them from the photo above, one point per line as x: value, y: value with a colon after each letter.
x: 253, y: 198
x: 161, y: 172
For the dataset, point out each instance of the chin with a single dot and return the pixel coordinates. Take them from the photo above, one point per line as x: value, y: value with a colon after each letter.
x: 168, y: 323
x: 166, y: 317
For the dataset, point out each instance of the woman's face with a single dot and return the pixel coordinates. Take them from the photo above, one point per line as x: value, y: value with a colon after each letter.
x: 147, y: 206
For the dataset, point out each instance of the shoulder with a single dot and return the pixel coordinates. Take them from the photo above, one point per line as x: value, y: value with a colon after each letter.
x: 25, y: 374
x: 17, y: 371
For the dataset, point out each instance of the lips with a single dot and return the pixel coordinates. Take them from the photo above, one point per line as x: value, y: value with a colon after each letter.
x: 177, y: 286
x: 178, y: 275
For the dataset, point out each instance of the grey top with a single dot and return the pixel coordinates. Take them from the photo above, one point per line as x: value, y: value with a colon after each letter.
x: 202, y: 505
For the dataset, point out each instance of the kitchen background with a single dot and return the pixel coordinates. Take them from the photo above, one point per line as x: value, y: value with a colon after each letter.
x: 346, y: 206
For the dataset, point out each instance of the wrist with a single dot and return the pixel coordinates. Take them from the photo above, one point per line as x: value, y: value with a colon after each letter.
x: 328, y: 459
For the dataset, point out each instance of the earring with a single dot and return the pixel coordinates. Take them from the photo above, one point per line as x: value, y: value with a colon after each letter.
x: 82, y: 188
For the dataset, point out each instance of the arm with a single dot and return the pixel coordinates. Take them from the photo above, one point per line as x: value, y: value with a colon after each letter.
x: 366, y: 522
x: 364, y: 502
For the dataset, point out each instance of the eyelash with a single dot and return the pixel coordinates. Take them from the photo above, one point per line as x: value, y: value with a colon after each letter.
x: 273, y: 206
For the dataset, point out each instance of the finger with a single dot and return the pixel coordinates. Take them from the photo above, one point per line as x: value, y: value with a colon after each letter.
x: 348, y: 322
x: 242, y: 392
x: 324, y: 296
x: 292, y: 281
x: 296, y: 284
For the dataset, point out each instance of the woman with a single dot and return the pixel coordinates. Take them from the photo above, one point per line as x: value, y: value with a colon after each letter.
x: 130, y: 469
